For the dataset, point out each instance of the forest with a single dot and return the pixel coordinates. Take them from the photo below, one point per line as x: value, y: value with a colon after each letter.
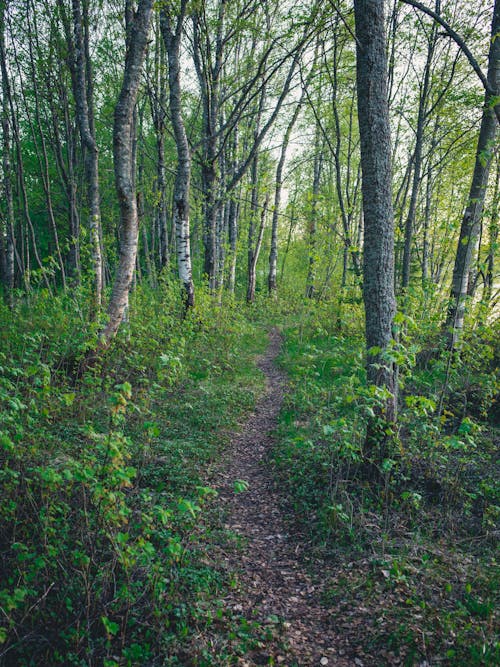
x: 249, y: 333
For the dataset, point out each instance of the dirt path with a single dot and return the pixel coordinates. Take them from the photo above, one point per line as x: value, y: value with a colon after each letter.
x: 272, y: 577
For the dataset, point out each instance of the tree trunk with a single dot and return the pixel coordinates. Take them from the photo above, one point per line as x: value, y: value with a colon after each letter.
x: 8, y: 99
x: 472, y: 216
x: 492, y: 242
x: 209, y: 74
x: 123, y: 149
x: 255, y: 254
x: 378, y: 264
x: 272, y: 282
x: 311, y: 270
x: 254, y: 205
x: 82, y: 86
x: 42, y: 156
x: 417, y: 157
x: 233, y: 214
x: 158, y: 106
x: 172, y: 39
x: 8, y: 233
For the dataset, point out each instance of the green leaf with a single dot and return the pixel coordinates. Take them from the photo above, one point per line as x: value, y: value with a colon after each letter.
x: 240, y: 486
x: 110, y: 626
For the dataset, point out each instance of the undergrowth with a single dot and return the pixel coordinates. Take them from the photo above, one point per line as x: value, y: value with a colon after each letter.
x: 103, y: 477
x: 412, y: 553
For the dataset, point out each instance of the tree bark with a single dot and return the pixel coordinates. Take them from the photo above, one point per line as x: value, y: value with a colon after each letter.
x: 82, y: 91
x: 158, y: 106
x: 472, y: 216
x: 417, y: 157
x: 233, y: 214
x: 255, y: 254
x: 8, y: 98
x: 493, y: 241
x: 313, y: 222
x: 123, y: 150
x: 8, y: 233
x: 209, y: 74
x: 378, y: 261
x: 172, y: 38
x: 272, y: 282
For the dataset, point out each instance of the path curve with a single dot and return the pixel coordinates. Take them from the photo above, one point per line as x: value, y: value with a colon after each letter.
x: 272, y: 578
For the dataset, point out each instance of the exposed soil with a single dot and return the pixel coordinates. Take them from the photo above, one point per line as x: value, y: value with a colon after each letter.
x: 273, y: 578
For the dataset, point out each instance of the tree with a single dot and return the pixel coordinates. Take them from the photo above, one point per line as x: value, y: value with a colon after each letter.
x: 378, y: 260
x: 471, y: 220
x: 272, y: 281
x: 138, y: 25
x: 172, y: 37
x: 82, y: 90
x: 8, y: 238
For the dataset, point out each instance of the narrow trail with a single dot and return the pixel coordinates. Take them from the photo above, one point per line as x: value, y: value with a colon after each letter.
x: 273, y: 580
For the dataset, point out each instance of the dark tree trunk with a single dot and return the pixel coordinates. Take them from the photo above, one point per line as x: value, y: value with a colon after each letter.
x: 378, y: 265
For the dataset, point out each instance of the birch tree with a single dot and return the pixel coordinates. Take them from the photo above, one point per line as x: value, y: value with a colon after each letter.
x: 123, y: 152
x: 172, y: 33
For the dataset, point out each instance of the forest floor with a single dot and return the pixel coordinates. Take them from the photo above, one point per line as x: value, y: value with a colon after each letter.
x: 277, y: 586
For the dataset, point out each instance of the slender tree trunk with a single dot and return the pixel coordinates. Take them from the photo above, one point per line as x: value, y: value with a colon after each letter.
x: 417, y: 157
x: 254, y: 205
x: 255, y: 254
x: 291, y: 228
x: 378, y: 265
x: 472, y: 216
x: 158, y: 106
x: 222, y: 218
x: 313, y: 222
x: 123, y: 149
x: 337, y: 154
x: 492, y: 241
x: 209, y: 73
x: 233, y: 215
x: 272, y: 282
x: 67, y: 165
x: 172, y: 39
x: 7, y: 96
x: 427, y: 211
x: 8, y: 233
x: 42, y: 157
x: 82, y: 86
